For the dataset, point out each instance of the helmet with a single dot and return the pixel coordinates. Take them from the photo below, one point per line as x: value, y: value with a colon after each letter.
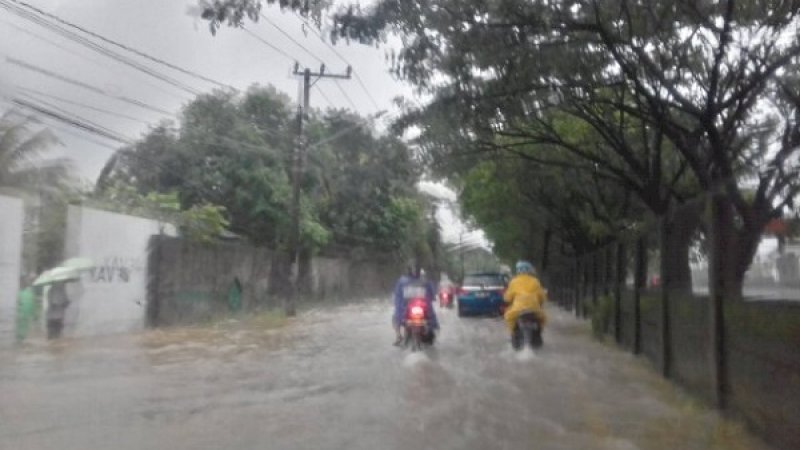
x: 413, y: 268
x: 524, y: 267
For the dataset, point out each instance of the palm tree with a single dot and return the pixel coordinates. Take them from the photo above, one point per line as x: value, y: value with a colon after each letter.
x: 44, y: 183
x: 22, y: 165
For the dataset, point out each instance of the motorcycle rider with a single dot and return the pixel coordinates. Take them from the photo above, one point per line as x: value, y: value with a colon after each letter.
x: 410, y: 286
x: 524, y: 293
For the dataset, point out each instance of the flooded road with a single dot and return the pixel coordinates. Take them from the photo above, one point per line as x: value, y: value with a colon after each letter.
x: 330, y: 379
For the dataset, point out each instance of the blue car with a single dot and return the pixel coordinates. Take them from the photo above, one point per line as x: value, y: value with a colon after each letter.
x: 482, y: 294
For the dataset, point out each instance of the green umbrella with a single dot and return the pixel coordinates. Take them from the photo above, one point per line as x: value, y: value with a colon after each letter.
x: 57, y: 274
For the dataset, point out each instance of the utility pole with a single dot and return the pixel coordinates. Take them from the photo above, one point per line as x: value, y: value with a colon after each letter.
x: 298, y: 168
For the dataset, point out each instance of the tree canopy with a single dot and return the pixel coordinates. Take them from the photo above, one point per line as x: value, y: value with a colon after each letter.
x: 234, y: 151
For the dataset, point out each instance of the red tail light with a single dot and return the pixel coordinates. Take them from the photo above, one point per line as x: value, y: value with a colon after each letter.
x: 416, y: 309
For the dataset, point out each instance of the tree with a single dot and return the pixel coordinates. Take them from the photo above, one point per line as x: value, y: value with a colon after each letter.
x: 233, y: 150
x: 21, y: 151
x: 219, y: 155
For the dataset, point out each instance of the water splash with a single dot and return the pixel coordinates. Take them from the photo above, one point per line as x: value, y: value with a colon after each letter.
x: 526, y: 354
x: 415, y: 359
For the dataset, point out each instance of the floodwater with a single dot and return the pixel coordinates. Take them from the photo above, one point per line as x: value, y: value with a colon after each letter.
x: 330, y: 379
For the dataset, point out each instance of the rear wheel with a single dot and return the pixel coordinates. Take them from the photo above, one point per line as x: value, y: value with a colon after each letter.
x: 536, y: 338
x: 516, y: 339
x: 416, y: 339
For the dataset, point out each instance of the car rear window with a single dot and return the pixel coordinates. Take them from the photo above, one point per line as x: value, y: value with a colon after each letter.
x: 483, y: 280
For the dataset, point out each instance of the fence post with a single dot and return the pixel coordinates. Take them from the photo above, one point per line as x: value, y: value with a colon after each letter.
x: 639, y: 283
x: 619, y: 283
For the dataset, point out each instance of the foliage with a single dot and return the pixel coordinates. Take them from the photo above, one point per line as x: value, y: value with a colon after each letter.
x: 22, y: 165
x: 234, y: 151
x: 202, y: 223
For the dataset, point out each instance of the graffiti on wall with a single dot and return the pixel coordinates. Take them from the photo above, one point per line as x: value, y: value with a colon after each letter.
x: 116, y: 269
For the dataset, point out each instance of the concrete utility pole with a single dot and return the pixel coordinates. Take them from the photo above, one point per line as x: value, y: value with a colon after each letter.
x: 298, y: 168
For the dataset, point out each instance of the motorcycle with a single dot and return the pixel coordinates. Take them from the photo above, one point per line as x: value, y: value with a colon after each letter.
x: 446, y: 298
x: 527, y: 331
x: 418, y: 332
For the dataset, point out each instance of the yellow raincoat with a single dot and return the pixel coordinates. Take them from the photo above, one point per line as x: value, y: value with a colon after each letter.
x: 524, y: 292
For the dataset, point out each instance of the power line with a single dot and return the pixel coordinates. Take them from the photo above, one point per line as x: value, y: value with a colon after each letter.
x: 267, y: 19
x: 74, y: 122
x: 125, y: 47
x: 46, y: 104
x: 324, y: 96
x: 339, y: 55
x: 83, y: 85
x: 349, y: 100
x: 82, y: 105
x: 19, y: 11
x: 94, y: 61
x: 269, y: 44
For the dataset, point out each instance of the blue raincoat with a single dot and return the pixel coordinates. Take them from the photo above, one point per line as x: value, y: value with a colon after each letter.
x: 408, y: 288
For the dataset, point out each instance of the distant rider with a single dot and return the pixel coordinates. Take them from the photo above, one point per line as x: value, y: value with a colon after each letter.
x: 410, y: 286
x: 524, y: 293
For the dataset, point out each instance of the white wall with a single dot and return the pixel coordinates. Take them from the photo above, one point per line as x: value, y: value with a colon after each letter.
x: 11, y: 219
x: 113, y: 296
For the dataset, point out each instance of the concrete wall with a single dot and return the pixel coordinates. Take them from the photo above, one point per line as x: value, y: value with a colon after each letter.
x: 10, y: 263
x: 191, y: 282
x: 113, y: 297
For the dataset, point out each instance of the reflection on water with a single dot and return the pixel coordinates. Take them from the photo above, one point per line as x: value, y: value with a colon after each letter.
x: 331, y: 379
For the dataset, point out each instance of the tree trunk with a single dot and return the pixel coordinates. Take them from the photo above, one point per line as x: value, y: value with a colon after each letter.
x: 608, y: 267
x: 666, y: 289
x: 546, y: 249
x: 732, y: 251
x: 304, y: 285
x: 640, y: 282
x: 619, y: 283
x: 683, y: 223
x: 595, y: 276
x: 677, y: 229
x: 579, y: 281
x: 720, y: 236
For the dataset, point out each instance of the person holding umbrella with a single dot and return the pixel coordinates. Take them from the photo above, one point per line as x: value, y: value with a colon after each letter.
x: 57, y: 304
x: 57, y: 299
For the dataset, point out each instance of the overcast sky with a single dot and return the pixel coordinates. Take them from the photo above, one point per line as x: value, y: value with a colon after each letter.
x: 165, y: 29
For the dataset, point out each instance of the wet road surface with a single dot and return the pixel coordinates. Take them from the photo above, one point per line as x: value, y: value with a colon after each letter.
x: 331, y: 380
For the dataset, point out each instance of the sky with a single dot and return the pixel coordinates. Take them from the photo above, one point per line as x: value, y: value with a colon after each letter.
x: 171, y: 31
x: 167, y: 30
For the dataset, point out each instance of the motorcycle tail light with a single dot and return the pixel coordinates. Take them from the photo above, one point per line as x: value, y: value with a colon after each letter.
x: 417, y: 312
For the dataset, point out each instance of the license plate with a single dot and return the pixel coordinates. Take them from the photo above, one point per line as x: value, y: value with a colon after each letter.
x: 482, y: 294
